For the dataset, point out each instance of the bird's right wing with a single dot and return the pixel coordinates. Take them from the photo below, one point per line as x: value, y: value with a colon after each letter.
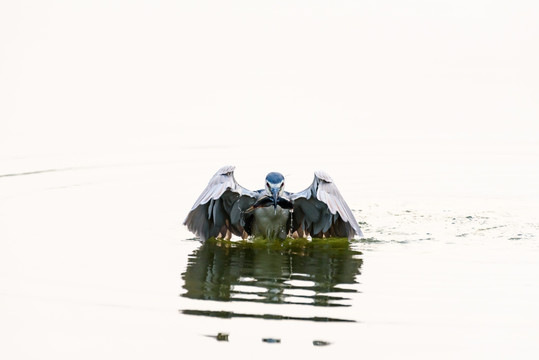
x: 320, y: 210
x: 220, y: 207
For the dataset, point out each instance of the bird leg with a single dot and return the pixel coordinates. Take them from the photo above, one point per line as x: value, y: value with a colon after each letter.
x: 228, y: 233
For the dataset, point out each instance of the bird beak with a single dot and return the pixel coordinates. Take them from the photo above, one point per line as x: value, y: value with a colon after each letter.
x: 275, y: 193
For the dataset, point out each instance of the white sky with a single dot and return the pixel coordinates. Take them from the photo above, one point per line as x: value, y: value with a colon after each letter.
x: 76, y: 75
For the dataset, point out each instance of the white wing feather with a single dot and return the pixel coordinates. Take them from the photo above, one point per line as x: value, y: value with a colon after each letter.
x: 222, y: 181
x: 328, y: 193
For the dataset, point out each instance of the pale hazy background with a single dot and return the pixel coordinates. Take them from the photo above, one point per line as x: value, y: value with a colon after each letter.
x: 381, y: 86
x: 115, y: 114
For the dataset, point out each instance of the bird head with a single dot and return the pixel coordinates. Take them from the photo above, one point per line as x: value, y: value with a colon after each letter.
x: 274, y: 186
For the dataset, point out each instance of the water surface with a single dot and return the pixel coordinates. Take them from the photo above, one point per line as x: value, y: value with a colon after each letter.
x: 95, y: 263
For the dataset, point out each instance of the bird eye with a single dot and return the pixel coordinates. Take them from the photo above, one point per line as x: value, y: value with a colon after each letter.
x: 282, y: 184
x: 268, y: 184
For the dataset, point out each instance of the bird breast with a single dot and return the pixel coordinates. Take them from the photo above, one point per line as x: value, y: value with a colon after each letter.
x: 271, y: 222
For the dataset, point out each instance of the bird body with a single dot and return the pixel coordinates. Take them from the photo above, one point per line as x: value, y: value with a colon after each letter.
x: 270, y: 222
x: 225, y: 208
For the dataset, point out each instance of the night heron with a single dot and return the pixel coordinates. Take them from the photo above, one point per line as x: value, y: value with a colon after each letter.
x: 225, y: 208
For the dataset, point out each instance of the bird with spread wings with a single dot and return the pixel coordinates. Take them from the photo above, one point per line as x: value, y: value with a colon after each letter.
x: 225, y: 208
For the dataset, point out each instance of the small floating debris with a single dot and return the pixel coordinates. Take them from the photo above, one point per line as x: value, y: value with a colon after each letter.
x: 271, y: 340
x: 220, y: 336
x: 321, y: 343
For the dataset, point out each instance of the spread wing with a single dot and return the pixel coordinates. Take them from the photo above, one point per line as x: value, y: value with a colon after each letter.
x: 220, y: 207
x: 320, y: 210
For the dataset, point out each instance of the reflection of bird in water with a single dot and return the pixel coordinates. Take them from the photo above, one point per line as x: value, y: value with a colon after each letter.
x: 225, y: 208
x: 319, y: 272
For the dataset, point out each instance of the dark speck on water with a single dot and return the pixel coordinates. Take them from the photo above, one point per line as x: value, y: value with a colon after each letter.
x: 220, y: 336
x: 272, y: 340
x: 320, y: 343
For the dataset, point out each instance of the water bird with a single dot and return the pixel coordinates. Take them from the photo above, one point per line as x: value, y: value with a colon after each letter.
x: 225, y: 208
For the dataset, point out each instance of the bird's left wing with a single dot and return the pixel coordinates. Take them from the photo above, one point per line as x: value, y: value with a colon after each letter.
x: 320, y: 210
x: 210, y: 216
